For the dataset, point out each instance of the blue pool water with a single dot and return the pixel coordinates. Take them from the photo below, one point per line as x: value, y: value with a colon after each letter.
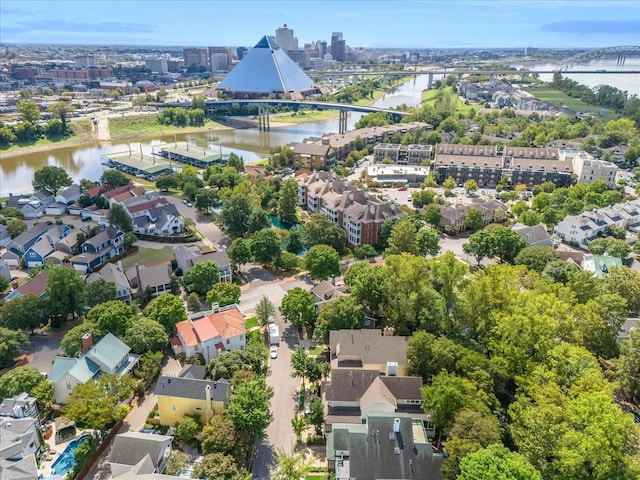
x: 65, y: 461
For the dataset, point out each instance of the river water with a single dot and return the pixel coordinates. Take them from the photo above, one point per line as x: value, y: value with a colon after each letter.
x: 84, y: 161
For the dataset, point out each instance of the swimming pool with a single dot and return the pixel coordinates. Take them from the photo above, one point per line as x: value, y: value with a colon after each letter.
x: 65, y: 461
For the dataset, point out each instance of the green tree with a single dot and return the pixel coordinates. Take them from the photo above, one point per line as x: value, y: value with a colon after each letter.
x: 219, y: 436
x: 239, y: 252
x: 473, y: 219
x: 265, y: 310
x: 559, y: 271
x: 294, y: 242
x: 258, y: 220
x: 627, y: 368
x: 497, y: 463
x: 626, y: 283
x: 165, y: 182
x: 299, y: 424
x: 345, y: 312
x: 202, y: 277
x: 51, y: 178
x: 507, y: 243
x: 24, y: 313
x: 72, y: 342
x: 167, y: 310
x: 224, y: 293
x: 94, y: 403
x: 20, y: 379
x: 29, y: 110
x: 428, y: 242
x: 235, y: 215
x: 61, y: 111
x: 290, y: 466
x: 298, y: 307
x: 316, y: 415
x: 206, y: 199
x: 65, y: 289
x: 611, y: 246
x: 193, y: 302
x: 367, y: 283
x: 421, y: 198
x: 299, y: 363
x: 115, y: 178
x: 179, y: 461
x: 100, y: 291
x: 536, y: 258
x: 471, y: 186
x: 319, y: 230
x: 265, y: 246
x: 146, y: 335
x: 480, y: 245
x: 113, y: 316
x: 402, y: 238
x: 15, y: 227
x: 187, y: 428
x: 216, y: 466
x: 322, y: 261
x: 249, y: 408
x: 288, y: 201
x: 119, y: 218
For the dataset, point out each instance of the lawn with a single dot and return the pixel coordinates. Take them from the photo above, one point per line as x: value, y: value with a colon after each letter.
x: 306, y: 116
x: 148, y: 257
x: 81, y: 134
x: 251, y: 322
x: 147, y: 126
x: 430, y: 97
x: 558, y: 98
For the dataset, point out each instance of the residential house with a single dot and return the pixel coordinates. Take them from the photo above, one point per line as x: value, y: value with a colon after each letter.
x: 138, y: 206
x: 368, y: 349
x: 535, y: 236
x: 186, y: 257
x: 211, y: 333
x: 119, y: 194
x: 600, y: 265
x: 630, y: 211
x: 581, y: 229
x: 629, y: 325
x: 19, y: 438
x: 4, y: 236
x: 312, y: 156
x: 98, y: 249
x: 156, y: 278
x: 20, y: 406
x: 36, y: 286
x: 69, y: 195
x: 162, y: 220
x: 324, y: 293
x: 24, y: 469
x: 56, y: 208
x: 10, y: 258
x: 109, y: 355
x: 22, y: 242
x: 30, y: 208
x: 5, y: 270
x: 69, y: 244
x: 384, y: 446
x: 113, y: 274
x: 183, y: 395
x: 130, y: 448
x: 37, y: 253
x: 92, y: 212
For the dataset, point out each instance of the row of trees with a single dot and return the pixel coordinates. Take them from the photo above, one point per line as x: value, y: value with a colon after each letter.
x: 29, y: 129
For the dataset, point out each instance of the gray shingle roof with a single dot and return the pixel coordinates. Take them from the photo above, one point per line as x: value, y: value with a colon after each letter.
x: 192, y: 388
x: 131, y: 447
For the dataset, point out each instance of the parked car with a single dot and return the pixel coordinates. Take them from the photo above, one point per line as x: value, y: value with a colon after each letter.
x: 273, y: 351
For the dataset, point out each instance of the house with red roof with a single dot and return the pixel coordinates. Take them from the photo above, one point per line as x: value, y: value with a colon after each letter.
x: 36, y: 286
x: 211, y: 333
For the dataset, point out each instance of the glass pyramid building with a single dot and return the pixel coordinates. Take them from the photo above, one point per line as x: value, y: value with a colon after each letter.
x: 265, y: 70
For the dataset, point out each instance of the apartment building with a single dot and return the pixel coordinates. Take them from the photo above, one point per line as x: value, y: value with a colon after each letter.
x: 588, y: 169
x: 402, y: 154
x: 353, y: 209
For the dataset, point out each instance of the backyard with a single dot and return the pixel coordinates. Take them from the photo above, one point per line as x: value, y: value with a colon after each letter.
x: 149, y: 257
x: 558, y: 98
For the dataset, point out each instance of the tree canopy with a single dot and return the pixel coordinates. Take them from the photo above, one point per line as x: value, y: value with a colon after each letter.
x: 52, y: 178
x: 167, y: 310
x: 202, y: 277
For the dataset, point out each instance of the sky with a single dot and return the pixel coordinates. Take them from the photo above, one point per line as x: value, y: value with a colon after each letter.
x: 364, y: 23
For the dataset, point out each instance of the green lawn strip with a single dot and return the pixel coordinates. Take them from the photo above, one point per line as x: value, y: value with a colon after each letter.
x: 66, y: 326
x: 305, y: 115
x: 81, y: 134
x: 559, y: 98
x: 148, y: 257
x: 430, y: 97
x: 147, y: 125
x: 251, y: 322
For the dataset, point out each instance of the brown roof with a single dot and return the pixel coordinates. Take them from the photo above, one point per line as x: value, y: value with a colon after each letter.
x: 36, y: 286
x: 376, y: 391
x: 369, y: 345
x: 311, y: 149
x: 351, y: 385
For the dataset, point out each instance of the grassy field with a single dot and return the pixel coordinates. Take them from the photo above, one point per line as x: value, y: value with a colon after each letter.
x: 147, y: 126
x: 304, y: 116
x: 81, y: 134
x: 430, y: 97
x: 559, y: 99
x: 251, y: 322
x: 148, y: 257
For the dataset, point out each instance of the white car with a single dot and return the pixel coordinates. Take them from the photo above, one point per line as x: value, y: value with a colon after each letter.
x: 273, y: 352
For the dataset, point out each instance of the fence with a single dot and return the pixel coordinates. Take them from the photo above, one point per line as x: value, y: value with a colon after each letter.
x: 96, y: 455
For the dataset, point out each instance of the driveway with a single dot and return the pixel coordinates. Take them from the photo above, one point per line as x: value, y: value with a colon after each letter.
x: 44, y: 349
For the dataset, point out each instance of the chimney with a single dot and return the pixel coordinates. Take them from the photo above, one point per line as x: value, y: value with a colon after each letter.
x: 87, y: 341
x: 120, y: 265
x: 138, y: 276
x: 14, y: 284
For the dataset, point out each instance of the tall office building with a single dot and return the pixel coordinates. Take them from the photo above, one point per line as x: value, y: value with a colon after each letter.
x: 338, y: 47
x: 197, y: 56
x: 285, y: 39
x: 241, y: 51
x: 219, y: 59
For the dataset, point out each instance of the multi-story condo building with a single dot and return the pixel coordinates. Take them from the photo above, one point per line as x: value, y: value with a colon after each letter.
x: 588, y: 169
x: 351, y: 208
x: 402, y: 154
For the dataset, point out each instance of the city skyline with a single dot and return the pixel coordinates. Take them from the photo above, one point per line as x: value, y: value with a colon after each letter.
x: 402, y: 24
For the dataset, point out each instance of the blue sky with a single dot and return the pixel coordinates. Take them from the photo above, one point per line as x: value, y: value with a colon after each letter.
x: 364, y: 23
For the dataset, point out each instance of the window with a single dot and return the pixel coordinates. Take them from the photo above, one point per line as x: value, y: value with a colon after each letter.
x: 69, y: 387
x: 228, y: 341
x: 173, y: 407
x: 198, y: 409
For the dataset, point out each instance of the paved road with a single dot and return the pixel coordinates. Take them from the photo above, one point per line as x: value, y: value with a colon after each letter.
x: 44, y: 349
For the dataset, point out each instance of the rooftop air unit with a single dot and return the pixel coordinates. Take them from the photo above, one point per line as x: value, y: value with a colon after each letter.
x: 392, y: 369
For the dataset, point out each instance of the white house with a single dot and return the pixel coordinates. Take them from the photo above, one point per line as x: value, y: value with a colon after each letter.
x: 69, y: 195
x: 19, y: 438
x: 113, y: 274
x: 161, y: 220
x: 4, y: 236
x: 211, y: 333
x: 581, y: 229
